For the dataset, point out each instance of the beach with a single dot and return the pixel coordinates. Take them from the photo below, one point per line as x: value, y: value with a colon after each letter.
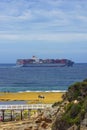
x: 32, y: 97
x: 29, y: 98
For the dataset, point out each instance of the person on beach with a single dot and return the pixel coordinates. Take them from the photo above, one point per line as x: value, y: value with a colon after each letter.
x: 41, y: 96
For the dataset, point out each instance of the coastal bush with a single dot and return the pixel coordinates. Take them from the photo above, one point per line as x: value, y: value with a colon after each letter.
x: 74, y: 111
x: 85, y: 80
x: 60, y: 124
x: 68, y: 107
x: 25, y: 114
x: 76, y: 91
x: 71, y: 115
x: 82, y: 114
x: 56, y: 104
x: 85, y: 104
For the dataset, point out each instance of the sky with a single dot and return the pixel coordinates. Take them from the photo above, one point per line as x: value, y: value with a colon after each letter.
x: 44, y: 28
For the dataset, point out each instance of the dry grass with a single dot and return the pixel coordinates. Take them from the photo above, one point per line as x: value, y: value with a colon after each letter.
x: 32, y: 97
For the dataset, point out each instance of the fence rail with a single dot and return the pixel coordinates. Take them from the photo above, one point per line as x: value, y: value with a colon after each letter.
x: 22, y: 107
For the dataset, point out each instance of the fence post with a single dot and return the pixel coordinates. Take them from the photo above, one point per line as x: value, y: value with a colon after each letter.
x: 3, y: 114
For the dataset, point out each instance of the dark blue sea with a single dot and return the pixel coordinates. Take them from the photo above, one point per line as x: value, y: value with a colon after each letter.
x: 17, y: 79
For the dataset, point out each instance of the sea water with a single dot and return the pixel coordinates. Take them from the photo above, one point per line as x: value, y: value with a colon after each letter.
x: 18, y: 79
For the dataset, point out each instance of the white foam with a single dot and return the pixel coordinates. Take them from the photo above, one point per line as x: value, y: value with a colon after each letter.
x: 44, y: 91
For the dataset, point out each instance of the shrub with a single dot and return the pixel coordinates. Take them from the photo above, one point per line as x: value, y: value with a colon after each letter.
x: 75, y: 109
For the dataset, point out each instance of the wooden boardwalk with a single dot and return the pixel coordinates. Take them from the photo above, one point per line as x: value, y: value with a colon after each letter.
x: 21, y: 108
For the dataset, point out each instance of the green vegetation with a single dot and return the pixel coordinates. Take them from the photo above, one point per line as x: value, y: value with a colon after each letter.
x: 77, y: 91
x: 74, y: 113
x: 75, y: 109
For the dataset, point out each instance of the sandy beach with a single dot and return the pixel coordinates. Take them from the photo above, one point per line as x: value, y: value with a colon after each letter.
x: 32, y: 97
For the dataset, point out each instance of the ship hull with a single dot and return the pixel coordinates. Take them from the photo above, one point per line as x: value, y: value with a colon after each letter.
x: 42, y: 65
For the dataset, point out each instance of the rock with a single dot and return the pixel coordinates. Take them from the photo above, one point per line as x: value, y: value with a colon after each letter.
x: 44, y: 124
x: 29, y: 128
x: 47, y: 120
x: 74, y: 127
x: 35, y: 127
x: 38, y: 120
x: 84, y: 123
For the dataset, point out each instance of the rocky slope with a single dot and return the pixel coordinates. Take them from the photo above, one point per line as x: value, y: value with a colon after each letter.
x: 43, y: 121
x: 72, y: 111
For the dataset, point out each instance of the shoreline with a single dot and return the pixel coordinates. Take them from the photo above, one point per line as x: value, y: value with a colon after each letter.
x: 32, y: 97
x: 59, y: 91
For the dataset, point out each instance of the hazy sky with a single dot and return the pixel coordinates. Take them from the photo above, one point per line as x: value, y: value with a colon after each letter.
x: 45, y: 28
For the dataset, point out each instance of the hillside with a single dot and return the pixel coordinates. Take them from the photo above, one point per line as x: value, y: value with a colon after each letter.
x: 72, y: 111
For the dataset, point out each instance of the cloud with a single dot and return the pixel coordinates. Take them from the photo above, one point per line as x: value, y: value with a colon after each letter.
x: 57, y: 37
x: 43, y: 16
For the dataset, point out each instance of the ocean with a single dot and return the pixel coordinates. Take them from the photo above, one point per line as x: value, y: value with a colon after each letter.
x: 18, y: 79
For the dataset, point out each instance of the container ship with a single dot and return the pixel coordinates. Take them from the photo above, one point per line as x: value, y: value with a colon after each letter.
x: 35, y: 62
